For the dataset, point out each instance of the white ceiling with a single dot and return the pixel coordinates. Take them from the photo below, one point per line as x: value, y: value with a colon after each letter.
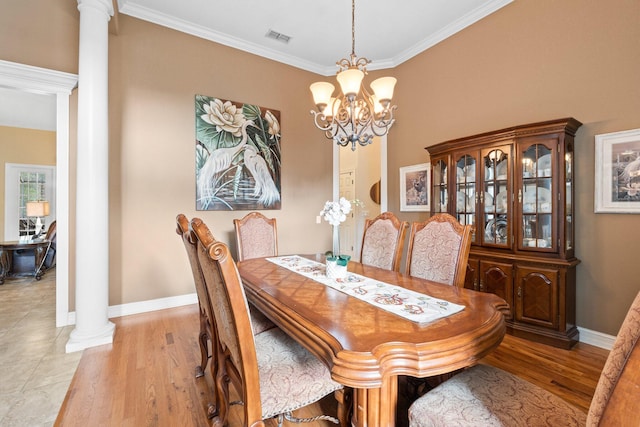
x: 387, y: 32
x: 27, y: 110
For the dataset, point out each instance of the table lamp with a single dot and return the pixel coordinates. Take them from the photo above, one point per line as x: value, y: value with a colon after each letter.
x: 37, y: 209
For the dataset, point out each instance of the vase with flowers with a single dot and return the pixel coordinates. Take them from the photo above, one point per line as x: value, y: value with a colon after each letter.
x: 335, y: 213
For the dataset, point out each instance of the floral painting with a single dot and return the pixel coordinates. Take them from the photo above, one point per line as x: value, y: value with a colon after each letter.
x: 237, y: 155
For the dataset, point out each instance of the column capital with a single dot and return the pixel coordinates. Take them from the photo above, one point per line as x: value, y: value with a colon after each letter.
x: 102, y: 5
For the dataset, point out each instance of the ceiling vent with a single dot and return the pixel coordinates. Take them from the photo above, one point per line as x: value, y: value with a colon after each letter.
x: 278, y: 36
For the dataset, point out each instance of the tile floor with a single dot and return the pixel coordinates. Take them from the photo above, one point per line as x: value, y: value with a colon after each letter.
x: 35, y: 371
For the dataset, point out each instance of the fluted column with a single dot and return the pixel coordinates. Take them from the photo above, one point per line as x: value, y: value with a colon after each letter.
x: 92, y: 183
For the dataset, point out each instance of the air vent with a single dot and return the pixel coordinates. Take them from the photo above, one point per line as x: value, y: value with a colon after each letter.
x: 278, y: 36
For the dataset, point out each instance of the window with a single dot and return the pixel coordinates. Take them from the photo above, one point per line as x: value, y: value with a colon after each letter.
x: 32, y: 188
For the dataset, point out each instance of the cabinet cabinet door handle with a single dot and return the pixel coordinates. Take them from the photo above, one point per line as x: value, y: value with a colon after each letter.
x: 520, y: 196
x: 481, y: 285
x: 519, y: 291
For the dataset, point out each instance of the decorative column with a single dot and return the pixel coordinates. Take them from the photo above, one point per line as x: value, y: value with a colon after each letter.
x: 92, y: 183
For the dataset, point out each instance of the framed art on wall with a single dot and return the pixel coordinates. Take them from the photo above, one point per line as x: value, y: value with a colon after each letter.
x: 617, y: 186
x: 414, y: 187
x: 237, y: 155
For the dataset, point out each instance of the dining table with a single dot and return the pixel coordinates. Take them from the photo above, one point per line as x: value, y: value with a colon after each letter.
x: 365, y: 347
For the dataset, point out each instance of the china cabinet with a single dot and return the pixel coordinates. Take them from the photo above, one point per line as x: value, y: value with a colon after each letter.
x: 515, y: 186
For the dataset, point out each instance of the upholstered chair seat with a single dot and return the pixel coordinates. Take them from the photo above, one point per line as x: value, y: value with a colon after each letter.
x: 490, y: 397
x: 383, y: 241
x: 290, y: 376
x: 486, y: 396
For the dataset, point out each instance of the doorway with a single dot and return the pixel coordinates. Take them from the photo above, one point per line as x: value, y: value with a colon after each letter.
x: 44, y: 81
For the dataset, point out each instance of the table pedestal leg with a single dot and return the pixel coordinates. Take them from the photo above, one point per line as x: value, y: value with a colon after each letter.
x: 5, y: 264
x: 376, y: 407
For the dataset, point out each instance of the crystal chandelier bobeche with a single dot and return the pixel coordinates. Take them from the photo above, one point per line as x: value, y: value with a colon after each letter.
x: 355, y: 116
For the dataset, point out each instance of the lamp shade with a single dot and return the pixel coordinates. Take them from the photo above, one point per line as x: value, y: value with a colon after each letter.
x: 383, y: 88
x: 37, y: 208
x: 350, y: 81
x: 322, y: 92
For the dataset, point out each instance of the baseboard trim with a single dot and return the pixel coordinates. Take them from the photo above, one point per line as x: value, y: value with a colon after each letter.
x: 144, y: 306
x: 597, y: 339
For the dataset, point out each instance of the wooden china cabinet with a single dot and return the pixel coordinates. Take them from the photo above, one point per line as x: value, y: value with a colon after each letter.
x: 515, y: 186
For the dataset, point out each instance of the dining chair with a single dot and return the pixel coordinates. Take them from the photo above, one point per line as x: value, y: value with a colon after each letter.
x: 207, y: 330
x: 272, y: 373
x: 256, y: 236
x: 488, y: 396
x: 439, y: 250
x: 383, y: 241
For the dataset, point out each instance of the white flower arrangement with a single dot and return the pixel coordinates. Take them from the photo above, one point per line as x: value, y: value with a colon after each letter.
x: 336, y: 212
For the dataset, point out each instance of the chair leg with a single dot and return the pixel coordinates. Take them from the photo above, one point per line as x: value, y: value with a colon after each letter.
x: 344, y: 397
x: 203, y: 340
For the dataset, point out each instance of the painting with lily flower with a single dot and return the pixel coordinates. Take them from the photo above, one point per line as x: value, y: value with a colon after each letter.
x: 237, y: 155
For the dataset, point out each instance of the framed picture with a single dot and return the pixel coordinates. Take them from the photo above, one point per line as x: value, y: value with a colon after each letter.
x: 617, y: 186
x: 237, y: 155
x: 415, y: 182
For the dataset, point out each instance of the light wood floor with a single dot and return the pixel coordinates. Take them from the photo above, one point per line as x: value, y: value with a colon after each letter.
x: 146, y: 377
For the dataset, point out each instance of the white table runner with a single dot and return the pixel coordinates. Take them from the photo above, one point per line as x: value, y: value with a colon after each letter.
x: 411, y: 305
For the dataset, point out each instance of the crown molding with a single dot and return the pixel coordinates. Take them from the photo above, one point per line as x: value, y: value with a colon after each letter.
x: 36, y: 79
x: 168, y: 21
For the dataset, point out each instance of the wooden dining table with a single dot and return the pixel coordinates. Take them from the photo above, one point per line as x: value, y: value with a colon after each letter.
x: 367, y: 348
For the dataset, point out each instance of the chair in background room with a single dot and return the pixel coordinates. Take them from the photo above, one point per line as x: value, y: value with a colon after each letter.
x: 439, y: 250
x: 256, y: 236
x: 488, y: 396
x: 25, y: 259
x: 383, y: 241
x: 271, y: 372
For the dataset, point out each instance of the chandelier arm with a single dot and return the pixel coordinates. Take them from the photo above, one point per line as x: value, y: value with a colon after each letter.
x: 317, y: 120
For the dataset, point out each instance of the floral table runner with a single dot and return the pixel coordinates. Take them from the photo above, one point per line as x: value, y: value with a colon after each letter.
x: 411, y: 305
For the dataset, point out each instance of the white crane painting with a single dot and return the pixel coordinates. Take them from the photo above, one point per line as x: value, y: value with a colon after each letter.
x: 237, y: 155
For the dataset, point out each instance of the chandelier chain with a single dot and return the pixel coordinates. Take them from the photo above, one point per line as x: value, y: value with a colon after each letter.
x: 353, y: 27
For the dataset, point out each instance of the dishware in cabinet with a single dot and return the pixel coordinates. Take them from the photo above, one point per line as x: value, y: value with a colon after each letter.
x: 538, y: 194
x: 439, y: 184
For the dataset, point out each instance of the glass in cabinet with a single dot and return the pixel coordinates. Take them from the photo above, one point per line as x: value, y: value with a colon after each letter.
x: 536, y: 196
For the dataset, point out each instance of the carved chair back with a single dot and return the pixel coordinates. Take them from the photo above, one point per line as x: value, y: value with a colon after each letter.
x: 256, y: 236
x: 439, y: 250
x: 383, y: 241
x: 615, y: 400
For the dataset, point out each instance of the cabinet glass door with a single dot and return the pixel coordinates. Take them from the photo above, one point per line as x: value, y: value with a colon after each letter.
x: 495, y: 199
x: 439, y: 186
x: 568, y: 176
x: 535, y: 197
x: 465, y: 197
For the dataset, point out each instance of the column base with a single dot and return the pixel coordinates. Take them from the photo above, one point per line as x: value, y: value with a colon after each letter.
x: 79, y: 341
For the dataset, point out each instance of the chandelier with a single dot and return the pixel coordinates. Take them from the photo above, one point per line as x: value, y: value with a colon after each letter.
x: 355, y: 116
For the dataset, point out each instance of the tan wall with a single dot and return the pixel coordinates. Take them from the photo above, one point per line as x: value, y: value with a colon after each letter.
x: 26, y: 146
x: 531, y: 61
x: 154, y: 75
